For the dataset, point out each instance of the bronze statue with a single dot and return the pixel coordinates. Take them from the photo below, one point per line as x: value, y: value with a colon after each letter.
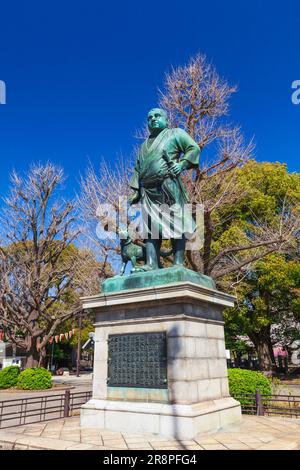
x: 157, y: 184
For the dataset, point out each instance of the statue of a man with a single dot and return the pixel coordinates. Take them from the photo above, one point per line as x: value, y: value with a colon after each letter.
x: 156, y: 183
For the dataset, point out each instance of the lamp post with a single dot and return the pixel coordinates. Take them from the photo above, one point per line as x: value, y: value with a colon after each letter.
x: 51, y: 356
x: 53, y: 318
x: 78, y: 345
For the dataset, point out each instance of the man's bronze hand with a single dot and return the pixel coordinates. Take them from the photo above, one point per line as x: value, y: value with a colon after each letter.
x: 176, y: 169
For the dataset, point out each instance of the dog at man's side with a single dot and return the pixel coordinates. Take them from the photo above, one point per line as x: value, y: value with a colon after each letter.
x: 134, y: 253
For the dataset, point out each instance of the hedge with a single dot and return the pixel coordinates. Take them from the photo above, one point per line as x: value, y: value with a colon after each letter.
x: 244, y: 382
x: 9, y: 376
x: 36, y: 378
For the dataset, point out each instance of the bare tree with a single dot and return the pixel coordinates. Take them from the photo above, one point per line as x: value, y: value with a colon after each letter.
x: 99, y: 189
x: 197, y: 99
x: 42, y: 272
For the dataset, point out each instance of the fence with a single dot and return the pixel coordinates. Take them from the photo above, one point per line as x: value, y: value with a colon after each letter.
x: 264, y: 405
x: 21, y: 411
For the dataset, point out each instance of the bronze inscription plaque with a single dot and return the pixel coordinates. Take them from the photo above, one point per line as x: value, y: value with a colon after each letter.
x: 137, y: 360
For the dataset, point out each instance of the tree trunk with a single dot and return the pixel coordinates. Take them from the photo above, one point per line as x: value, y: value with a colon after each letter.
x: 42, y: 358
x: 32, y: 353
x: 263, y: 345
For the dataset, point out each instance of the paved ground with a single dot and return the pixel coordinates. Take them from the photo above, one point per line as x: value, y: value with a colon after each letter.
x: 84, y: 378
x: 253, y: 433
x: 290, y: 389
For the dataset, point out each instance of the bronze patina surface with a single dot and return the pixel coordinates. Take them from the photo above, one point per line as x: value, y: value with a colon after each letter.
x: 157, y: 184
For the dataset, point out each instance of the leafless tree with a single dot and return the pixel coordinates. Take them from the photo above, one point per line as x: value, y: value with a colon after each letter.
x: 99, y: 188
x: 197, y: 99
x: 42, y: 272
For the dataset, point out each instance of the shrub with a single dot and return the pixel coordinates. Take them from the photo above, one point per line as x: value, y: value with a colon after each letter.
x: 9, y: 376
x: 36, y: 378
x: 243, y: 382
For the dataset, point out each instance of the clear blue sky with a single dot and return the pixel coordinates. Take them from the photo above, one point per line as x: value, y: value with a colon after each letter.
x: 81, y: 76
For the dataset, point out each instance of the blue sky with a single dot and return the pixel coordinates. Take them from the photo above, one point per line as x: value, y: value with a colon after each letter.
x: 81, y: 76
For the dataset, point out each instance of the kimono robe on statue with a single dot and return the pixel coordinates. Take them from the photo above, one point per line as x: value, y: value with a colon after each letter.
x: 163, y: 196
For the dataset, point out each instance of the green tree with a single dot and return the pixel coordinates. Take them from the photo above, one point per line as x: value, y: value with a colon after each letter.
x: 266, y: 297
x: 267, y: 288
x: 236, y: 233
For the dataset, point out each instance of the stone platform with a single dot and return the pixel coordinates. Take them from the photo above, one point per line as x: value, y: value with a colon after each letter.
x: 196, y: 397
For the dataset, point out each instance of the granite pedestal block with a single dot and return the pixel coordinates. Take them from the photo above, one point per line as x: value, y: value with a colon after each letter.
x: 196, y: 397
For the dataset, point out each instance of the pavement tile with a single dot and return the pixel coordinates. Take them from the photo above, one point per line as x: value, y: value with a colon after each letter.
x: 140, y: 446
x: 267, y: 439
x: 99, y: 448
x: 52, y: 444
x: 233, y: 435
x: 251, y: 442
x: 280, y: 444
x: 117, y: 447
x: 162, y: 448
x: 90, y: 432
x: 6, y: 445
x: 111, y: 435
x: 71, y: 437
x: 32, y: 433
x: 34, y: 429
x: 53, y: 428
x: 112, y: 438
x: 187, y: 443
x: 18, y: 429
x: 80, y: 447
x: 204, y: 441
x: 20, y: 447
x: 231, y: 441
x: 8, y: 436
x: 213, y: 447
x: 114, y: 442
x: 191, y: 447
x: 134, y: 440
x: 165, y: 445
x: 96, y: 442
x: 70, y: 428
x: 239, y: 446
x: 50, y: 434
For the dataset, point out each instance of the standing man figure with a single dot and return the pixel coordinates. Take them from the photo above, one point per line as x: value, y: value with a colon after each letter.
x: 157, y: 186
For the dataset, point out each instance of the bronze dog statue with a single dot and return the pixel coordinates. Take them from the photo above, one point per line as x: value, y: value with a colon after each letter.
x: 134, y: 253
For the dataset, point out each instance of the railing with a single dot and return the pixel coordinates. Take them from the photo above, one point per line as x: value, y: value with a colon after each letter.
x: 264, y: 405
x: 21, y: 411
x: 18, y: 412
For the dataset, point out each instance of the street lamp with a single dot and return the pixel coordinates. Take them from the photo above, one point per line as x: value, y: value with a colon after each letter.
x: 53, y: 318
x: 51, y: 356
x: 78, y: 345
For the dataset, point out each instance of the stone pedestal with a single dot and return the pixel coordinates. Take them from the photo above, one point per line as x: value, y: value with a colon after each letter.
x: 196, y: 397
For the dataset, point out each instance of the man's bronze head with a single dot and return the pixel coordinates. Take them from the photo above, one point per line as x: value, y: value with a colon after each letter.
x: 157, y: 119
